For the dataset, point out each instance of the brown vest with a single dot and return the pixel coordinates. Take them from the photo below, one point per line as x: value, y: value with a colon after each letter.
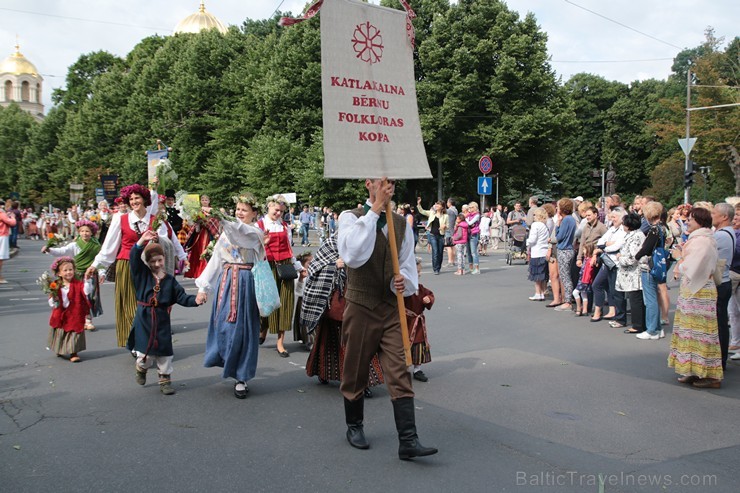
x: 369, y: 285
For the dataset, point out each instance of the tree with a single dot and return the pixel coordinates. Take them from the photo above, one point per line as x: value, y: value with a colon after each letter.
x: 16, y: 127
x: 590, y: 98
x: 487, y: 88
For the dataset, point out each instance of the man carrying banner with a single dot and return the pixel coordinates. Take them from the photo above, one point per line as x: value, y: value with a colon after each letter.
x: 371, y: 318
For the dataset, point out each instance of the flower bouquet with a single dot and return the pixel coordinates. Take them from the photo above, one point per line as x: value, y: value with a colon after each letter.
x: 50, y: 286
x: 54, y: 240
x: 208, y: 252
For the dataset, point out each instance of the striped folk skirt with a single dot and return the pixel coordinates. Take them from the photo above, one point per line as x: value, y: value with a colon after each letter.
x: 125, y: 299
x: 281, y: 319
x: 326, y: 359
x: 695, y: 346
x: 62, y: 342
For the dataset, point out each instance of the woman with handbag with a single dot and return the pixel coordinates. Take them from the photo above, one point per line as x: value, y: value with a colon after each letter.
x: 321, y: 315
x: 604, y: 286
x: 284, y: 267
x: 695, y: 351
x: 233, y: 329
x: 436, y: 225
x: 628, y: 272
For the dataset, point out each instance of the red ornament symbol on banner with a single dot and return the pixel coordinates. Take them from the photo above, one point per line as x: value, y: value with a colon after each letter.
x: 368, y: 43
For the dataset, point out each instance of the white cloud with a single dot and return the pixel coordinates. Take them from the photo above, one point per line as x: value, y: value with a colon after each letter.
x: 54, y: 43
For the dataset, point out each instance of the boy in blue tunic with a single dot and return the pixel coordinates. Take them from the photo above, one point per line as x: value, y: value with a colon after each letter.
x: 156, y: 291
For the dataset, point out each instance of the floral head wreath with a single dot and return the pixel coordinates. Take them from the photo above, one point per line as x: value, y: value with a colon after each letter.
x: 59, y: 261
x: 162, y: 198
x: 139, y: 190
x: 247, y: 198
x: 278, y: 199
x: 84, y: 222
x: 118, y: 200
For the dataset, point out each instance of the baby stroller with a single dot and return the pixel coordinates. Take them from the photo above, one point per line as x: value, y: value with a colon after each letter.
x: 516, y: 247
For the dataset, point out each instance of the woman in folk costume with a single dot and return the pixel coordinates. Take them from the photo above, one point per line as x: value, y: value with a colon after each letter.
x: 125, y: 230
x: 204, y: 230
x: 417, y: 326
x: 279, y: 252
x: 83, y: 249
x: 695, y: 350
x: 173, y: 251
x: 321, y: 314
x: 70, y: 307
x: 233, y: 330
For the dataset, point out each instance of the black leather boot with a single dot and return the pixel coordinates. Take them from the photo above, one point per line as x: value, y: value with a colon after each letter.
x: 408, y: 440
x: 354, y: 413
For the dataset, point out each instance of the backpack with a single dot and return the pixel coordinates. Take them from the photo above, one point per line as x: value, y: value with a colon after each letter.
x: 659, y: 266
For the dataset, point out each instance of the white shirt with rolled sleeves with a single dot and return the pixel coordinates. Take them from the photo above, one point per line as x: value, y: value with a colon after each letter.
x: 356, y: 242
x: 109, y: 250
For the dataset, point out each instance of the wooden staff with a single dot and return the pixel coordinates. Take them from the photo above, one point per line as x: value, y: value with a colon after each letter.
x: 397, y: 271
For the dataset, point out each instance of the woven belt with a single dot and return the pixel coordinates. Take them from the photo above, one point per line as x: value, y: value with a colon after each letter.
x: 233, y: 271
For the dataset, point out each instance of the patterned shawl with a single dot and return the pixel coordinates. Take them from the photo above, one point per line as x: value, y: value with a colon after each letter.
x: 323, y: 278
x: 699, y: 258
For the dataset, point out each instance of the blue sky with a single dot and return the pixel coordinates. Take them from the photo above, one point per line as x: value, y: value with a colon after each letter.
x: 579, y: 41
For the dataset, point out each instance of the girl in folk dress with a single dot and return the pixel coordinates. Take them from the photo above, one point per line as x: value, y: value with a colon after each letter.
x: 417, y: 324
x: 84, y: 249
x: 233, y: 329
x: 67, y: 333
x: 156, y: 292
x: 204, y: 230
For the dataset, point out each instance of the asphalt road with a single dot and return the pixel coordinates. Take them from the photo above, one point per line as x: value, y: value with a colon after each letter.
x: 520, y: 399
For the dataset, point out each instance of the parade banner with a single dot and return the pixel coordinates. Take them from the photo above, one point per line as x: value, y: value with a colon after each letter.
x: 371, y: 118
x: 110, y: 187
x: 152, y: 159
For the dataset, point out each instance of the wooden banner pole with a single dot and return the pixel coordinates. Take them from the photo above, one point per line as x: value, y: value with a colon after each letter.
x: 399, y: 294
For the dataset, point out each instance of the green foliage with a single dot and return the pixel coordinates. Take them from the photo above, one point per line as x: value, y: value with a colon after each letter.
x: 16, y: 128
x: 243, y: 110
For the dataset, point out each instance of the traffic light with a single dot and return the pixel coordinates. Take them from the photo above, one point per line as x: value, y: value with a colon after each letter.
x: 688, y: 175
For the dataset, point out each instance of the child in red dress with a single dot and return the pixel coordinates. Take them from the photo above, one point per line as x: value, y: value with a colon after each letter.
x: 415, y: 306
x: 70, y: 308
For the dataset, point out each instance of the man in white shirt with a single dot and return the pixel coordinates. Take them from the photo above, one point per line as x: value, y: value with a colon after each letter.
x: 371, y: 320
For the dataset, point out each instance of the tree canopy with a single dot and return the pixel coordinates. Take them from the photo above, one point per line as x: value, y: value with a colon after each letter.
x: 242, y: 110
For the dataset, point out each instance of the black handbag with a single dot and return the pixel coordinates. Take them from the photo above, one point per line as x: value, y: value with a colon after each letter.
x: 286, y: 272
x: 608, y: 261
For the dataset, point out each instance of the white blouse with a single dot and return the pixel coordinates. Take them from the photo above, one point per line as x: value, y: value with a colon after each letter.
x: 239, y: 243
x: 64, y: 291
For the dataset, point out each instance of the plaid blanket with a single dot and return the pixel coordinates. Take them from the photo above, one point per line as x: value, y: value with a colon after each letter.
x: 323, y: 278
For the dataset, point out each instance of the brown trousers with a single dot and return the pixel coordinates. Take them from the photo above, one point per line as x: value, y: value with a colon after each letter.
x: 365, y: 332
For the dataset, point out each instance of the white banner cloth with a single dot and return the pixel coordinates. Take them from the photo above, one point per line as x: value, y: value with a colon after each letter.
x: 371, y: 119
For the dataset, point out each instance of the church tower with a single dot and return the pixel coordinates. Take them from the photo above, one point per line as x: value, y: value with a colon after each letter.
x: 20, y: 82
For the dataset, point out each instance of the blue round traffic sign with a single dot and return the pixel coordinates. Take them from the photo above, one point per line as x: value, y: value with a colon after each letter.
x: 485, y: 164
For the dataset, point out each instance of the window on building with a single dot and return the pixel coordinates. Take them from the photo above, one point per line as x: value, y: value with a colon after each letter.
x: 25, y: 91
x: 8, y: 91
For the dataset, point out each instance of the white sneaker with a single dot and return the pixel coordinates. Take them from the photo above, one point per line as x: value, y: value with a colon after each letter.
x: 536, y: 297
x: 646, y: 336
x: 662, y: 334
x: 735, y: 356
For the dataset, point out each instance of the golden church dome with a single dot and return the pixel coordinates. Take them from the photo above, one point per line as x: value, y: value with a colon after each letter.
x: 199, y: 21
x: 17, y: 64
